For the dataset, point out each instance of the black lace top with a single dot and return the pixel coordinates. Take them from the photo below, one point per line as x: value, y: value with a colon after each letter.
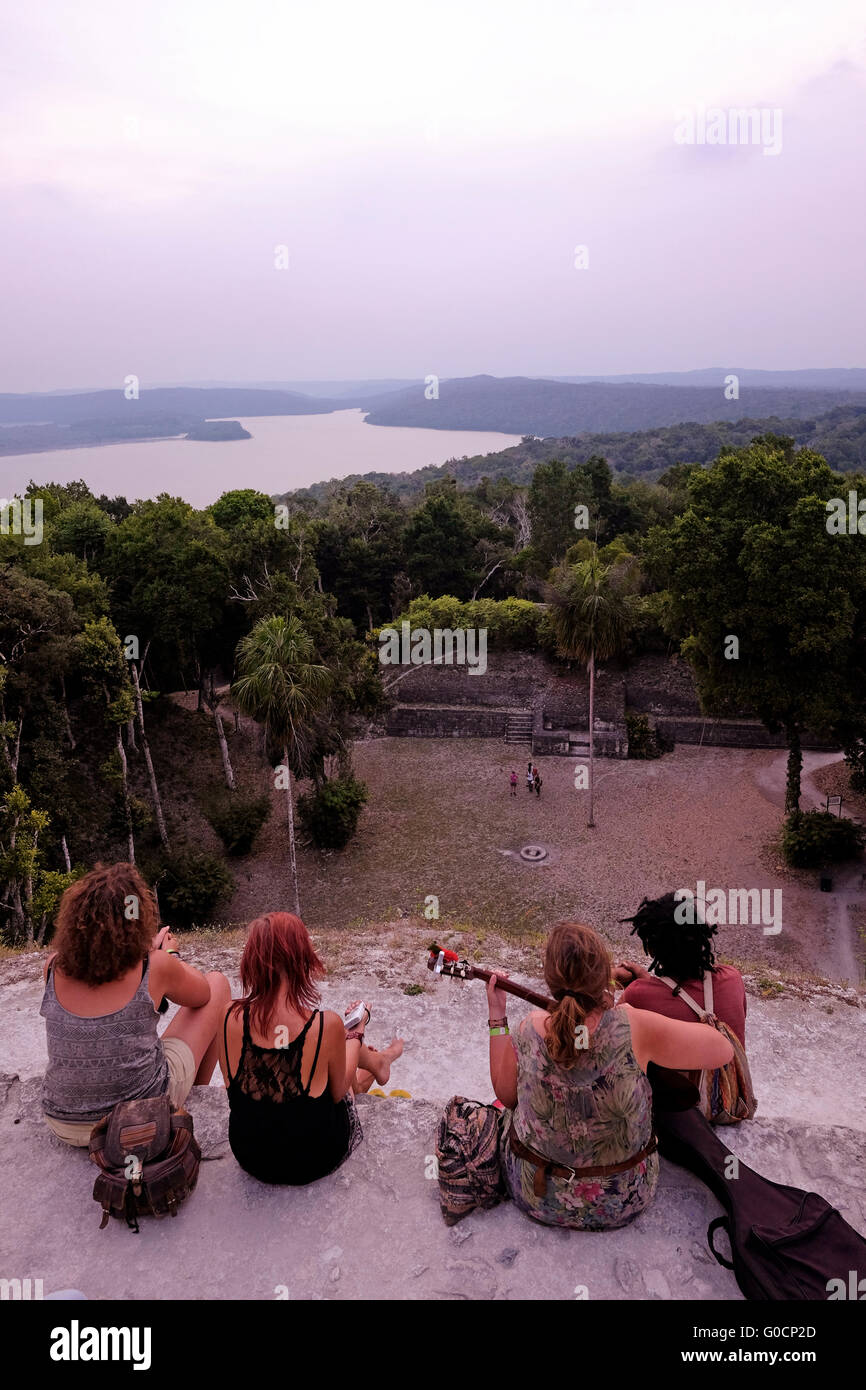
x: 278, y: 1132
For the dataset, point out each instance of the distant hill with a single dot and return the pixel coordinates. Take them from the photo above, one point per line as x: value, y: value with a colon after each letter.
x: 809, y: 378
x: 194, y: 403
x: 840, y: 436
x: 522, y: 405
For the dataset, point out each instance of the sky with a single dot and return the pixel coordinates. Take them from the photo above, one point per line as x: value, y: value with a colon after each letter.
x: 199, y: 190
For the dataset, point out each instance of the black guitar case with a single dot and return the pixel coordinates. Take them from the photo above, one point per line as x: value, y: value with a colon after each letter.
x: 786, y: 1244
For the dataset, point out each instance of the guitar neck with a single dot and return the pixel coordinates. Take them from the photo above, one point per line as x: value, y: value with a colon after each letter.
x: 531, y: 996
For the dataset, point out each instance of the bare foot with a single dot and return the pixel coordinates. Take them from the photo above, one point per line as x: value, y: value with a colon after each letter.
x: 381, y: 1061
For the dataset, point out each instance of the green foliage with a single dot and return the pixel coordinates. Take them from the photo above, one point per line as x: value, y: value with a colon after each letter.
x: 21, y: 869
x: 330, y: 814
x: 237, y: 819
x: 511, y: 623
x: 642, y: 740
x: 855, y: 757
x: 751, y: 557
x: 811, y: 839
x: 191, y: 886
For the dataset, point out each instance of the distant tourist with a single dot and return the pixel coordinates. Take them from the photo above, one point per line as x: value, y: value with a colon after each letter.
x: 576, y: 1142
x: 682, y: 953
x: 536, y: 777
x: 291, y: 1068
x: 513, y: 782
x: 104, y: 983
x: 529, y: 778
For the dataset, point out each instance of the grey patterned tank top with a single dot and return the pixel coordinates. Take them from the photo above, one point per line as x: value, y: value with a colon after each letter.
x: 94, y: 1063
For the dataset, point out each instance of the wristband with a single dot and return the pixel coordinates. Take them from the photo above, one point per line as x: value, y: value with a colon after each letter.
x: 355, y: 1037
x: 499, y: 1032
x: 172, y: 952
x: 498, y: 1022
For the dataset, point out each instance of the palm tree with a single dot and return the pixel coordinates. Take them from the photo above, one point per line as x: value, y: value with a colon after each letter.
x: 282, y: 688
x: 589, y: 614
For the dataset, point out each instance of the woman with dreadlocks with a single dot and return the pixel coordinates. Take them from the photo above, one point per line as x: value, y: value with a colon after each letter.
x: 681, y: 959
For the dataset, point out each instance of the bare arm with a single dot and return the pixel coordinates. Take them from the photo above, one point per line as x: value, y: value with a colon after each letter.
x: 503, y: 1058
x: 334, y: 1040
x: 179, y: 982
x: 670, y: 1043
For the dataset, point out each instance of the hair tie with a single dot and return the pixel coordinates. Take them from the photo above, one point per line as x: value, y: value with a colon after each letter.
x: 562, y: 993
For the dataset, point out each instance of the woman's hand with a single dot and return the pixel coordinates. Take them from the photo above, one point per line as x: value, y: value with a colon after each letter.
x: 165, y: 940
x: 628, y: 971
x: 496, y: 998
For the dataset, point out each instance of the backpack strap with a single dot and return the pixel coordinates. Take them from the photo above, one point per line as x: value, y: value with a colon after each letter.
x: 721, y: 1223
x: 708, y: 992
x: 686, y: 998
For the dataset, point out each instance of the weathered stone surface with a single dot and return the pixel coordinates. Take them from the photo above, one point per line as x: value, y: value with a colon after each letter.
x: 373, y: 1229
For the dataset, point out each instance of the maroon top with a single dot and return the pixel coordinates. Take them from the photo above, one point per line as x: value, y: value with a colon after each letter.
x: 729, y: 998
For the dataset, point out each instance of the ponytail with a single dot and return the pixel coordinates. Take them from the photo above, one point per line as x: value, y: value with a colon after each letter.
x: 577, y: 969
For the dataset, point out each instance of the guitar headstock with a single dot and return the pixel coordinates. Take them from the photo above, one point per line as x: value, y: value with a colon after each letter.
x: 444, y: 962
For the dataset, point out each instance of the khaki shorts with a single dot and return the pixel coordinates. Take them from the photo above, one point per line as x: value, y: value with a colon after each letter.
x: 181, y: 1077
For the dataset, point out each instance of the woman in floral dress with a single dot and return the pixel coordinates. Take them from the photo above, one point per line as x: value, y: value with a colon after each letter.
x: 578, y: 1148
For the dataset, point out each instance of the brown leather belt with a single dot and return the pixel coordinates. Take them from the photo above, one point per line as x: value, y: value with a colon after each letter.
x: 544, y: 1168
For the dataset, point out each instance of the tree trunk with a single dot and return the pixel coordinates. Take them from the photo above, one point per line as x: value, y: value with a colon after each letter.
x: 291, y: 818
x: 126, y: 806
x: 130, y: 735
x: 67, y: 861
x: 145, y: 747
x: 69, y: 733
x: 795, y: 768
x: 591, y: 821
x: 224, y: 749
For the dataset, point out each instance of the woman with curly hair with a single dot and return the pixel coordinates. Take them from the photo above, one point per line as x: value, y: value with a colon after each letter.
x: 104, y: 982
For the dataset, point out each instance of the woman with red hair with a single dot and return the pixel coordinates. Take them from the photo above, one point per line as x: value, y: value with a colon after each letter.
x: 291, y: 1068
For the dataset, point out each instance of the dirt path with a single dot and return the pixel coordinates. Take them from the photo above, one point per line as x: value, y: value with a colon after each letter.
x: 847, y: 901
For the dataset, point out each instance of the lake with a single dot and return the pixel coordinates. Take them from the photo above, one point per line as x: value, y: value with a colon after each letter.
x: 285, y: 452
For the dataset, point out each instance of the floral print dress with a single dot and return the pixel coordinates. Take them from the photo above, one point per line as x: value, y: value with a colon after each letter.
x: 598, y: 1112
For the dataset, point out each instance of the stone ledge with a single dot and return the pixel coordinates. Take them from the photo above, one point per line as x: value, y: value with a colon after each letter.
x: 373, y: 1228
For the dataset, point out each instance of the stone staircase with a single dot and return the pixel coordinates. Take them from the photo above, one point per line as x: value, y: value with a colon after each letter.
x: 518, y: 726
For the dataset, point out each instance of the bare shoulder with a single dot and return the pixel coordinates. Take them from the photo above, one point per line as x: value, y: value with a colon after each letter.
x: 48, y: 964
x: 333, y: 1022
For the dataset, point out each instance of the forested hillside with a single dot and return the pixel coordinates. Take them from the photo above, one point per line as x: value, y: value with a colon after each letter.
x: 119, y: 603
x: 840, y: 436
x: 523, y: 405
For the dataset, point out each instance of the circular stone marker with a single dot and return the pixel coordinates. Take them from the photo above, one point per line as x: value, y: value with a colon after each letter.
x: 533, y: 854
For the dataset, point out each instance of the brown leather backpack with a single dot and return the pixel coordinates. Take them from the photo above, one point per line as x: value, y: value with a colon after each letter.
x: 147, y: 1157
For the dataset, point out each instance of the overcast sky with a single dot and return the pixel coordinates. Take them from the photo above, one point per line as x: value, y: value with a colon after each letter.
x: 431, y: 169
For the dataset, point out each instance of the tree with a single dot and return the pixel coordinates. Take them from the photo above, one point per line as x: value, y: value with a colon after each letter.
x: 281, y: 687
x: 20, y: 828
x: 103, y: 668
x: 769, y: 606
x: 359, y: 550
x: 589, y: 615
